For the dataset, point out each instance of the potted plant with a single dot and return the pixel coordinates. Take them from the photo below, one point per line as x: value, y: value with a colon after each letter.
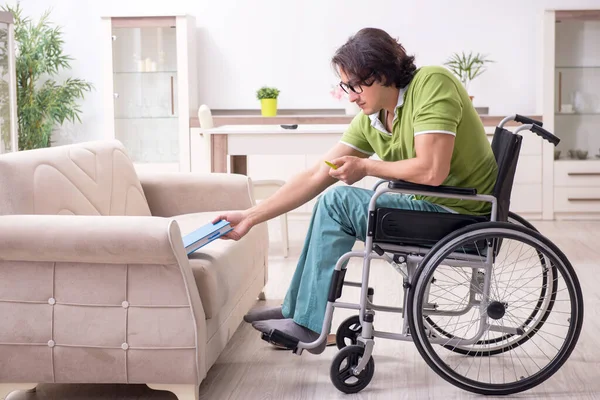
x: 467, y: 67
x: 268, y: 100
x: 42, y: 103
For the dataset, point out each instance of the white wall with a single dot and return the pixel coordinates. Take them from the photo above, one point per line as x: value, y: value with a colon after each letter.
x: 245, y: 44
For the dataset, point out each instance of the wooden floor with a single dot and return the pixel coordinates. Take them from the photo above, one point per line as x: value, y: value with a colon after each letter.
x: 249, y: 368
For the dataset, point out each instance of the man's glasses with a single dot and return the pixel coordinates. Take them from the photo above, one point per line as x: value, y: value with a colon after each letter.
x: 346, y: 87
x: 356, y: 87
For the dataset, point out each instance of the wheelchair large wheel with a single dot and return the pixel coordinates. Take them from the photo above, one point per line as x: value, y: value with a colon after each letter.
x: 539, y: 313
x: 474, y: 315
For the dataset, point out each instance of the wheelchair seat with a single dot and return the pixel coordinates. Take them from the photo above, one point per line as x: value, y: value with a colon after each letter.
x: 418, y: 228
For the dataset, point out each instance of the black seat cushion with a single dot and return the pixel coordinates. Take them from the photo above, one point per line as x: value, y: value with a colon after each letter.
x: 418, y: 228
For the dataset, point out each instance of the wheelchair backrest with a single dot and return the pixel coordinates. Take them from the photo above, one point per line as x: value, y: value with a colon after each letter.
x: 506, y: 147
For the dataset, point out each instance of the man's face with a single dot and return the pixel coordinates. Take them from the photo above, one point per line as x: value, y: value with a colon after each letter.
x: 367, y: 98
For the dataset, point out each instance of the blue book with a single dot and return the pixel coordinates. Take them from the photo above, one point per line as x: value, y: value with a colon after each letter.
x: 204, y: 235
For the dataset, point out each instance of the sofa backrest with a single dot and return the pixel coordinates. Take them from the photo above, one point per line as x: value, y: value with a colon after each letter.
x: 91, y: 178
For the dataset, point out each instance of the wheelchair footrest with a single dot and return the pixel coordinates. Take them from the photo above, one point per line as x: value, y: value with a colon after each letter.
x: 280, y: 339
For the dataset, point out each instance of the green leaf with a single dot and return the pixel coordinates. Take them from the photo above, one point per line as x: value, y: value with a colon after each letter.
x: 266, y: 92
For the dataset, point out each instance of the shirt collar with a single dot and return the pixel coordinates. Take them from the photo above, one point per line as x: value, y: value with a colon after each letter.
x: 376, y: 122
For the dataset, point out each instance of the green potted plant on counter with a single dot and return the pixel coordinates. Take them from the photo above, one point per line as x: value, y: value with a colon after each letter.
x: 268, y: 100
x: 467, y: 67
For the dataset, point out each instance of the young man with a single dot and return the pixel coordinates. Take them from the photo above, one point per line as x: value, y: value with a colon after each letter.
x: 424, y: 128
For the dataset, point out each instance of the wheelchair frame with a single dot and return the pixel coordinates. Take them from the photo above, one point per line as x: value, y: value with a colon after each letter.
x: 406, y: 261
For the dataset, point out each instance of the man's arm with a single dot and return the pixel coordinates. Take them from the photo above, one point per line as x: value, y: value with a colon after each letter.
x: 301, y: 188
x: 430, y: 166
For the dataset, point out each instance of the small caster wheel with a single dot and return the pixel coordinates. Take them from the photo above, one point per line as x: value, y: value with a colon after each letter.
x: 348, y: 332
x: 342, y: 370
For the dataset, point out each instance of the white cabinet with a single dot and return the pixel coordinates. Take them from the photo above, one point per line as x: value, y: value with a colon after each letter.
x: 577, y: 188
x: 571, y: 86
x: 150, y: 87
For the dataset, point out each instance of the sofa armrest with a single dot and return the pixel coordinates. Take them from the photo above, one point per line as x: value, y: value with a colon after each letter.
x: 91, y: 239
x: 176, y: 193
x: 152, y: 302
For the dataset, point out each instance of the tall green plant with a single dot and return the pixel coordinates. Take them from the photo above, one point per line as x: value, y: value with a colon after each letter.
x: 467, y: 67
x: 42, y: 103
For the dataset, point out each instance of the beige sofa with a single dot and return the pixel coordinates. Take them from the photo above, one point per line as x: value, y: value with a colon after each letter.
x: 95, y: 285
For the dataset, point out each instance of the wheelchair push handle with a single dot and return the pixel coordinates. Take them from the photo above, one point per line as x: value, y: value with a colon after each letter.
x: 526, y: 120
x: 521, y: 119
x: 544, y: 134
x: 532, y: 125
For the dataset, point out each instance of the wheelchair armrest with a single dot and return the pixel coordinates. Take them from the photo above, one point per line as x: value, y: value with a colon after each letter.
x: 433, y: 189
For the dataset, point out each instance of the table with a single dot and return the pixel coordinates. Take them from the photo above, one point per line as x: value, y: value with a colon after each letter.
x: 240, y: 141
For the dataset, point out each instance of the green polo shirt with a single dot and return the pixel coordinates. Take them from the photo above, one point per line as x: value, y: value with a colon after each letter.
x: 434, y: 102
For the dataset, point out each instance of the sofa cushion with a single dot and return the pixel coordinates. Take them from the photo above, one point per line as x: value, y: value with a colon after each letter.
x: 92, y: 178
x: 222, y: 267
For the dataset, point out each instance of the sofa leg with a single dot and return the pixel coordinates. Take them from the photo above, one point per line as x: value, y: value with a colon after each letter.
x: 8, y: 388
x: 261, y: 295
x: 183, y: 392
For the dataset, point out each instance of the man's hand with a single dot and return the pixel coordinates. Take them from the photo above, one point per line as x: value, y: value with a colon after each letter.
x: 350, y: 169
x: 240, y: 223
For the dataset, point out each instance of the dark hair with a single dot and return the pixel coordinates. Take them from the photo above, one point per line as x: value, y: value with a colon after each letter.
x: 372, y: 52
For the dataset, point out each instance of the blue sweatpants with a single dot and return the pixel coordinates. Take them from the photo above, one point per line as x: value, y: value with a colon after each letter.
x: 338, y: 219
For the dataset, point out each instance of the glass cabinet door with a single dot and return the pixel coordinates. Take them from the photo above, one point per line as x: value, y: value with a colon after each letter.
x: 8, y: 108
x: 145, y: 92
x: 577, y: 90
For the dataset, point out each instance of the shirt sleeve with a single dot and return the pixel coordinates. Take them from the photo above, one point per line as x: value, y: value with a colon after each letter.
x: 438, y: 106
x: 355, y: 137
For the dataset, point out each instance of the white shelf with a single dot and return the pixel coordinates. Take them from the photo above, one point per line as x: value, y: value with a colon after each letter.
x: 579, y: 67
x: 576, y: 159
x: 576, y: 114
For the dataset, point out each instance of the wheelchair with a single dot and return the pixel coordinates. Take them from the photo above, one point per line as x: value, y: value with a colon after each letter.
x: 492, y: 306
